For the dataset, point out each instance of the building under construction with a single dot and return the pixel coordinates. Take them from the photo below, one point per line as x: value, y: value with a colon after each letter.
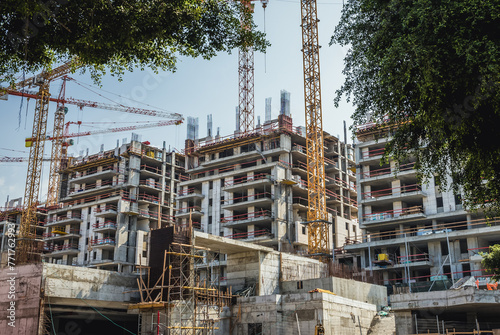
x: 423, y: 243
x: 108, y: 203
x: 253, y: 187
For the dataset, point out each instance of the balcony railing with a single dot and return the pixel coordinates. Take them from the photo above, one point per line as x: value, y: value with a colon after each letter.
x: 102, y: 241
x: 105, y: 224
x: 152, y: 184
x: 263, y: 195
x: 374, y: 152
x: 246, y: 179
x: 187, y: 210
x: 93, y: 186
x: 92, y: 172
x: 189, y: 191
x: 250, y: 235
x: 413, y: 258
x: 63, y: 218
x: 55, y: 248
x: 246, y: 216
x: 152, y: 169
x: 387, y: 171
x: 393, y: 213
x: 106, y: 208
x: 391, y: 191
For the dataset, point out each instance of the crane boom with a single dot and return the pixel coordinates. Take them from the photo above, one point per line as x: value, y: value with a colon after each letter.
x: 317, y: 215
x: 93, y: 104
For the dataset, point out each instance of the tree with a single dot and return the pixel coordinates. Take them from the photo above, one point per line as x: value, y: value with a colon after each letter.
x: 491, y: 261
x: 119, y: 34
x: 431, y: 69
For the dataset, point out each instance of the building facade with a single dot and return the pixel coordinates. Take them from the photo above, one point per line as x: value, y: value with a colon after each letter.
x: 253, y: 187
x: 420, y: 239
x: 108, y: 204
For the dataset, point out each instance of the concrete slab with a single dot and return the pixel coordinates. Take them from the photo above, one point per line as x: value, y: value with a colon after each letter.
x: 226, y: 245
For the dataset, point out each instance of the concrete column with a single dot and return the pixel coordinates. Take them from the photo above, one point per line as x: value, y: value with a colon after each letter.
x: 396, y: 187
x: 225, y: 322
x: 434, y: 224
x: 435, y: 255
x: 404, y: 323
x: 469, y: 221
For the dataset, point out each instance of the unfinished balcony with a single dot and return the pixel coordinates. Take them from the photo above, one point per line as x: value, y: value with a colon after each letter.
x: 63, y: 220
x: 54, y: 250
x: 415, y: 262
x: 150, y: 185
x: 408, y: 193
x: 242, y: 220
x: 148, y: 198
x: 106, y: 226
x: 372, y: 155
x: 192, y: 211
x: 89, y: 189
x: 335, y: 198
x: 61, y: 233
x: 405, y: 170
x: 105, y: 243
x: 261, y: 199
x: 106, y: 211
x: 190, y: 193
x: 245, y: 182
x: 90, y: 176
x: 151, y: 171
x: 255, y: 236
x: 394, y: 215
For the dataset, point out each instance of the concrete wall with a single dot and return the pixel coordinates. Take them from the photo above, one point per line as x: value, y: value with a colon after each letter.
x: 351, y: 289
x: 285, y: 314
x: 24, y: 304
x: 266, y: 269
x: 444, y: 299
x: 62, y: 281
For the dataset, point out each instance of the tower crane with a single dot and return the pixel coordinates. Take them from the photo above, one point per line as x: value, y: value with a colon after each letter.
x: 58, y: 147
x: 27, y: 248
x: 317, y: 215
x: 27, y: 245
x: 246, y: 72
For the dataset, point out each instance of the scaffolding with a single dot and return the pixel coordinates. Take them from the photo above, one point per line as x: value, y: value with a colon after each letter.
x: 185, y: 299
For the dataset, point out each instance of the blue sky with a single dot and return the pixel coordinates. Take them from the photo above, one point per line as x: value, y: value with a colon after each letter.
x: 198, y: 88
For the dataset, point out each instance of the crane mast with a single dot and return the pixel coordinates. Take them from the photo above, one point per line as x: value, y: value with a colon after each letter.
x: 246, y: 75
x: 317, y: 215
x: 58, y: 152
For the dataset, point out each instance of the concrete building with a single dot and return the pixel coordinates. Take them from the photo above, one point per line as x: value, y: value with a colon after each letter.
x: 108, y: 203
x: 416, y: 236
x: 253, y: 187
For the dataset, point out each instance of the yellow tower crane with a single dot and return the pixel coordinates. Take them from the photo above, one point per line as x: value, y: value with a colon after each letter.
x: 317, y: 215
x: 27, y: 248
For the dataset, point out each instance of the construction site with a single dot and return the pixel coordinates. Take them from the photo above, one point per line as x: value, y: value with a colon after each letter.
x: 275, y: 229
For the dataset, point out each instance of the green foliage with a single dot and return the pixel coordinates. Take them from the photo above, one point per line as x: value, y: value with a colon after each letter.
x: 432, y: 68
x: 491, y: 261
x: 119, y: 34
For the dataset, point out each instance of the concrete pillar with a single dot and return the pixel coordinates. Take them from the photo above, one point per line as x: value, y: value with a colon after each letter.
x: 434, y: 224
x: 435, y: 255
x: 225, y: 322
x: 404, y: 323
x: 469, y: 221
x: 396, y: 187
